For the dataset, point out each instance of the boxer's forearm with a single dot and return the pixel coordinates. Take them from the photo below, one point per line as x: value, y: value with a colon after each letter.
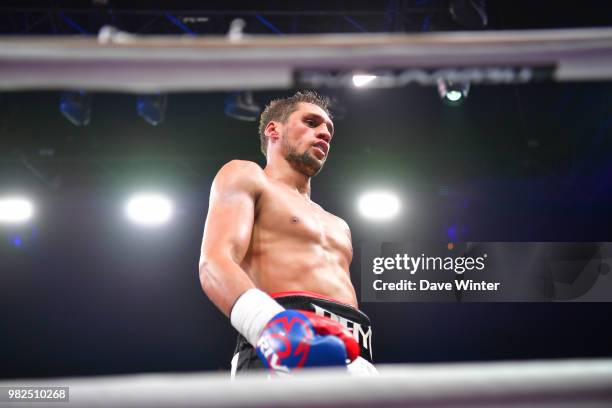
x: 223, y: 281
x: 233, y: 292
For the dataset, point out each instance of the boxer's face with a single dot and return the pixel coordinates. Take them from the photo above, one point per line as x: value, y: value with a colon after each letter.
x: 305, y: 139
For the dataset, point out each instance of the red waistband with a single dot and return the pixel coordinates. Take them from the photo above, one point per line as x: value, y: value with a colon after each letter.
x: 307, y: 293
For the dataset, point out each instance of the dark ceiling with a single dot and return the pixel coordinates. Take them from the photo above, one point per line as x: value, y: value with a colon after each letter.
x: 213, y: 17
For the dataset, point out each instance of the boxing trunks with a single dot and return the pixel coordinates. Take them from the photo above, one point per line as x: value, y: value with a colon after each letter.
x: 246, y: 359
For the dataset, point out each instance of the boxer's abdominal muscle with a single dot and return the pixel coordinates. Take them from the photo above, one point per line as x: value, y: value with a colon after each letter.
x: 298, y: 246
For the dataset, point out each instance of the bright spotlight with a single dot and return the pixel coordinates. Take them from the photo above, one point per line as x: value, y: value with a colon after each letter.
x: 453, y: 92
x: 379, y: 205
x: 453, y: 96
x: 14, y: 210
x: 149, y: 209
x: 360, y: 80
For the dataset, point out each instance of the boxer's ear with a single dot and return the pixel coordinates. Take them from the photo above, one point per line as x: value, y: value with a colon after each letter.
x: 273, y: 130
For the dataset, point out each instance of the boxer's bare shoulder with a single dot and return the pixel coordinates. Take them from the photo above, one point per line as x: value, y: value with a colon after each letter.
x: 239, y: 176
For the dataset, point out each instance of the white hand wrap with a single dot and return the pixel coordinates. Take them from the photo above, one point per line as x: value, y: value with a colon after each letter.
x: 251, y: 312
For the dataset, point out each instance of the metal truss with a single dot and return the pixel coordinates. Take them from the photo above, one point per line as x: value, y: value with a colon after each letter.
x: 340, y: 17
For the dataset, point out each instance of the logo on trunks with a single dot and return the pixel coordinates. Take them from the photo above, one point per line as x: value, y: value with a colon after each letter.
x: 275, y: 345
x: 361, y: 336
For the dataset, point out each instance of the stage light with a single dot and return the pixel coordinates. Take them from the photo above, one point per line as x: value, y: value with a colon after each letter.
x: 149, y: 209
x: 242, y: 106
x: 15, y: 210
x: 453, y: 92
x: 360, y: 80
x: 379, y: 205
x: 454, y: 96
x: 152, y: 108
x: 76, y: 107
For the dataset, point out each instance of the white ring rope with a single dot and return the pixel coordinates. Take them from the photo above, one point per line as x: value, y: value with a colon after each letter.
x: 125, y: 62
x: 569, y: 383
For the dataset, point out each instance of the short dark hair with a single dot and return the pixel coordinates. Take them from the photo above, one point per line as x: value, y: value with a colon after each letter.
x: 280, y: 110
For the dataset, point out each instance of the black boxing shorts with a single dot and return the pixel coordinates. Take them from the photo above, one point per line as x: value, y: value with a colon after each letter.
x: 246, y: 359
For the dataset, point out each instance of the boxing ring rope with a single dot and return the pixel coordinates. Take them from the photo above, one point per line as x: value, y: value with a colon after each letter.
x: 116, y: 61
x: 559, y: 384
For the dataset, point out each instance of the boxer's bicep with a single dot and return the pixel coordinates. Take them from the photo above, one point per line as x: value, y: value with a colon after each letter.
x: 229, y: 223
x: 227, y: 234
x: 231, y: 211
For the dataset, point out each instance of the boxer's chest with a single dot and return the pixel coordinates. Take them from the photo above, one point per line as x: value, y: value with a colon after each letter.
x: 286, y: 212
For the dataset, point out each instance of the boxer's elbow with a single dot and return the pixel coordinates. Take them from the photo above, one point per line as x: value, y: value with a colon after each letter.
x: 206, y: 271
x: 222, y: 279
x: 210, y: 269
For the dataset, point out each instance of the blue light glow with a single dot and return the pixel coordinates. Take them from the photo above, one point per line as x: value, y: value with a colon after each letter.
x: 17, y: 241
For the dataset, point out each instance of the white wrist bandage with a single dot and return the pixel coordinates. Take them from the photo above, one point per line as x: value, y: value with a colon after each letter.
x: 251, y: 312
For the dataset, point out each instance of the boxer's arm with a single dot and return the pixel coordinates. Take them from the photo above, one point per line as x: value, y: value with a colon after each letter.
x: 227, y: 233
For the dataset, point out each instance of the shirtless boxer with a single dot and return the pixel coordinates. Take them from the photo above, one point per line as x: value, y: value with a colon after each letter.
x: 267, y: 247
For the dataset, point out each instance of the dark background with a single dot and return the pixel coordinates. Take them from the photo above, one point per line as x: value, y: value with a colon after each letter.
x: 84, y: 292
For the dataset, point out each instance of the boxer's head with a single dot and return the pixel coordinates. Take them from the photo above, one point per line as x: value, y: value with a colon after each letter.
x: 300, y: 128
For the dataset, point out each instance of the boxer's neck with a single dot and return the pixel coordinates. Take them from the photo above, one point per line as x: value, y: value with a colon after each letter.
x: 282, y: 171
